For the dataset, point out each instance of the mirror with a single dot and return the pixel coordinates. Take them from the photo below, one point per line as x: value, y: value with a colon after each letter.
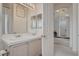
x: 62, y: 21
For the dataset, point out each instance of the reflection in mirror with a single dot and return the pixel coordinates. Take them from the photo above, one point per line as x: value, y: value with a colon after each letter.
x: 62, y: 19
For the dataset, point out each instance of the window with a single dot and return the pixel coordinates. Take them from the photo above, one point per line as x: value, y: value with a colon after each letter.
x: 34, y: 25
x: 39, y: 21
x: 5, y: 24
x: 36, y: 22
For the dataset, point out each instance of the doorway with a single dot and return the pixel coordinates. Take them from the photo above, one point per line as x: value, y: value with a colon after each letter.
x: 62, y: 42
x: 62, y: 38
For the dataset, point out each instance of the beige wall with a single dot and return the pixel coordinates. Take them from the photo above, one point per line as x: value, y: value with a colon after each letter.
x: 20, y: 21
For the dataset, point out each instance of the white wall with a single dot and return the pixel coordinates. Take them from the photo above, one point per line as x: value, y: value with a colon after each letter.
x: 0, y: 25
x: 75, y: 17
x: 71, y: 27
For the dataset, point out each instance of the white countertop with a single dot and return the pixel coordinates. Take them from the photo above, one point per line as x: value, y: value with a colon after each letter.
x: 12, y: 39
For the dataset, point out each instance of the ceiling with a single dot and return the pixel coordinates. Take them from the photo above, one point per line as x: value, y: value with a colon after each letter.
x: 62, y: 5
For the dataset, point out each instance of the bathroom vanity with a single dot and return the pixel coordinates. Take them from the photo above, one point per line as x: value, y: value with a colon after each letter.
x: 22, y: 44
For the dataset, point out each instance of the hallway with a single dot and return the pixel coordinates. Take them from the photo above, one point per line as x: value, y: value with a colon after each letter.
x: 62, y: 49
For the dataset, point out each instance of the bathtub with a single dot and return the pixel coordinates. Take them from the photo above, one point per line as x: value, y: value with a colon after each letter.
x: 26, y: 44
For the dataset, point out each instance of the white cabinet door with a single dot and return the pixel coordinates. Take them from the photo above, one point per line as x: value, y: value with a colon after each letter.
x: 35, y: 48
x: 48, y: 26
x: 19, y: 50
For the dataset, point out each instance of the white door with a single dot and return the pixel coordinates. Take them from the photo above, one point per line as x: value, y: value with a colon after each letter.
x: 78, y: 30
x: 48, y: 26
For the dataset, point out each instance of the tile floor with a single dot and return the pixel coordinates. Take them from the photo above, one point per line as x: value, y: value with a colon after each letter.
x: 62, y: 49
